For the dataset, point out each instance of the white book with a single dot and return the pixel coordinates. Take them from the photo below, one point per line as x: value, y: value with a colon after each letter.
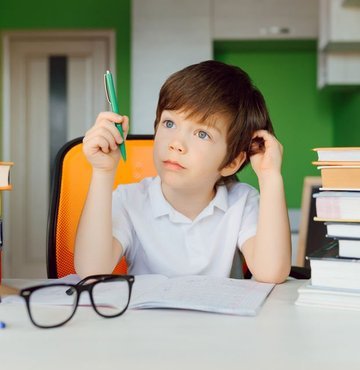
x: 314, y: 296
x: 349, y: 248
x: 201, y: 293
x: 345, y: 230
x: 338, y: 154
x: 328, y: 269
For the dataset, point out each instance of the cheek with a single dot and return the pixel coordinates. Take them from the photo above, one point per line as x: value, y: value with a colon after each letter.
x: 157, y: 151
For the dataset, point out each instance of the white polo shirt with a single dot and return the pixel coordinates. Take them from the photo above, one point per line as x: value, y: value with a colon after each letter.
x: 157, y: 239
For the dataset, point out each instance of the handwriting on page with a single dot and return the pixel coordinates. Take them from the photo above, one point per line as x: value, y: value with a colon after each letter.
x: 243, y: 297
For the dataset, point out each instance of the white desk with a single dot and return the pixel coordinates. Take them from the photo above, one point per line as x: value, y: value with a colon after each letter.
x: 282, y: 336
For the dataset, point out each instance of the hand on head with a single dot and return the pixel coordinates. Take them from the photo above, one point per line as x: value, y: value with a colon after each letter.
x: 265, y: 154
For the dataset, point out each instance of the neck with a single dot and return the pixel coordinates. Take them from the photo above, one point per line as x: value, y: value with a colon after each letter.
x: 190, y: 202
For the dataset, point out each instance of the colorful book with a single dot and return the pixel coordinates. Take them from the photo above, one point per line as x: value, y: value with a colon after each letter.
x: 5, y: 175
x: 340, y: 177
x: 4, y: 185
x: 337, y: 205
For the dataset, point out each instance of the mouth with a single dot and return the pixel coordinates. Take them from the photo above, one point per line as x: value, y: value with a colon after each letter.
x: 173, y: 165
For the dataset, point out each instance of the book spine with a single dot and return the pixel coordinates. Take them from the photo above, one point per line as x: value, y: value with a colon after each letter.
x: 1, y: 245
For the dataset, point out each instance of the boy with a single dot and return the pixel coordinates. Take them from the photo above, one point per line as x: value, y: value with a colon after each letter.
x: 210, y: 122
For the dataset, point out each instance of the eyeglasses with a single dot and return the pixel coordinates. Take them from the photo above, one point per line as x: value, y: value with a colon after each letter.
x: 109, y: 296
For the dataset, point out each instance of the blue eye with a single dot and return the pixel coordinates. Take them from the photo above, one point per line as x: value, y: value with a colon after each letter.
x: 203, y: 135
x: 169, y: 124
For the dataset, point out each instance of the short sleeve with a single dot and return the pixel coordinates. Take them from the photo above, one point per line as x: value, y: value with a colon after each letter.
x: 122, y: 228
x: 250, y: 216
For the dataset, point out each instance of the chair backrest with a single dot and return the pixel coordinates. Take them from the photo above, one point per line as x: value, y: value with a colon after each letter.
x: 72, y: 174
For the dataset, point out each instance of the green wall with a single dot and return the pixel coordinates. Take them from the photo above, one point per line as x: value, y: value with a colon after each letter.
x: 346, y: 110
x: 77, y: 14
x: 302, y: 115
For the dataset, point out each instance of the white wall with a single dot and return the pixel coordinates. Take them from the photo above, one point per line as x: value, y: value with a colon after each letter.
x: 167, y: 35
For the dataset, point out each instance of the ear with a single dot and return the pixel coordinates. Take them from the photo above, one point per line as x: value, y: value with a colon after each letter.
x: 233, y: 167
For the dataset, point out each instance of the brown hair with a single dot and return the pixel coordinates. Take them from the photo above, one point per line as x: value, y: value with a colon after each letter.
x: 211, y: 89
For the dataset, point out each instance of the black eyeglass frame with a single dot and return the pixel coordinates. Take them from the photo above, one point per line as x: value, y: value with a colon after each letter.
x: 81, y: 286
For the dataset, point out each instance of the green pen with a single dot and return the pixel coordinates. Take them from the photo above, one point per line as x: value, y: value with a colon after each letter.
x: 111, y: 97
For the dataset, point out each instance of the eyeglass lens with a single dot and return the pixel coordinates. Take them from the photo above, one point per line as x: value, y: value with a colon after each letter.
x: 111, y: 296
x: 51, y: 315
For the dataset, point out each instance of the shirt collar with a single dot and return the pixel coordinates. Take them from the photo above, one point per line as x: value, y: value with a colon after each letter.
x: 161, y: 207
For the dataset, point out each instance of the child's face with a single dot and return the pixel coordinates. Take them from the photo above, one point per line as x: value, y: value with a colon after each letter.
x: 187, y: 153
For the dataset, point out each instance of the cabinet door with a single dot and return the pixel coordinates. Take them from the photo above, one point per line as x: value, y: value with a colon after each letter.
x: 339, y: 25
x: 265, y: 19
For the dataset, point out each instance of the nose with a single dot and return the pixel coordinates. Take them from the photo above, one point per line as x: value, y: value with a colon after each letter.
x: 177, y: 146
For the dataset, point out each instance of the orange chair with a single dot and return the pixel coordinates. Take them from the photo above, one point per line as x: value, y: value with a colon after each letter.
x: 71, y: 181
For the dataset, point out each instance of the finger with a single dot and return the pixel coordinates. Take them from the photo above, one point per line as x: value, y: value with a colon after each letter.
x: 112, y: 126
x: 104, y: 134
x: 102, y: 123
x: 96, y: 144
x: 125, y: 126
x: 108, y: 116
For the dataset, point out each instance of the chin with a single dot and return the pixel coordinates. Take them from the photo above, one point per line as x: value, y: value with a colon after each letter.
x: 172, y: 179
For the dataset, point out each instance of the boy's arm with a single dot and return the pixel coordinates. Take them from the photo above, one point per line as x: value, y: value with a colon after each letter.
x: 96, y: 251
x: 268, y: 253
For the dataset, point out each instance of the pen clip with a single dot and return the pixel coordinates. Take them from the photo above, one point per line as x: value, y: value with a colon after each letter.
x: 106, y: 89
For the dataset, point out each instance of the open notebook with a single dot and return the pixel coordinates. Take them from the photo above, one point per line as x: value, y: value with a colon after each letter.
x: 202, y: 293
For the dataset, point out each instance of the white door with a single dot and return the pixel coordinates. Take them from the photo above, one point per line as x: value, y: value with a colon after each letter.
x: 53, y: 91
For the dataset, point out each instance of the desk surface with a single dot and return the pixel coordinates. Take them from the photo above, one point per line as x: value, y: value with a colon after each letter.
x: 281, y: 336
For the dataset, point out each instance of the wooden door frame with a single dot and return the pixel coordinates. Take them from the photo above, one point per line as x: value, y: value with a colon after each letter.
x: 38, y: 35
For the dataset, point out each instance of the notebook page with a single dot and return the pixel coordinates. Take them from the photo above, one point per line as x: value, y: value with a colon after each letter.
x: 206, y: 293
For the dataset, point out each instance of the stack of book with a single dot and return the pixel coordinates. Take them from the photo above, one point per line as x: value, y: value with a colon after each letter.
x: 335, y: 268
x: 4, y: 185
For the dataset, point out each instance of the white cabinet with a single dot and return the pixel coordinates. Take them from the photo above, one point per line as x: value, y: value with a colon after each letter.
x: 264, y: 19
x: 338, y: 68
x: 339, y: 26
x: 339, y: 43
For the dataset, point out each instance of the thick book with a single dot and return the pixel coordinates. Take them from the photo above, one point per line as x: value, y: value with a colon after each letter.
x: 200, y: 293
x: 338, y: 205
x: 329, y: 269
x: 313, y: 296
x: 5, y: 175
x: 340, y: 177
x: 334, y: 154
x: 341, y: 230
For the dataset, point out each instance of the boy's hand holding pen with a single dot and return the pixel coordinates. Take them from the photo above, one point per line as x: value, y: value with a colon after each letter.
x: 101, y: 142
x: 112, y: 99
x: 105, y: 141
